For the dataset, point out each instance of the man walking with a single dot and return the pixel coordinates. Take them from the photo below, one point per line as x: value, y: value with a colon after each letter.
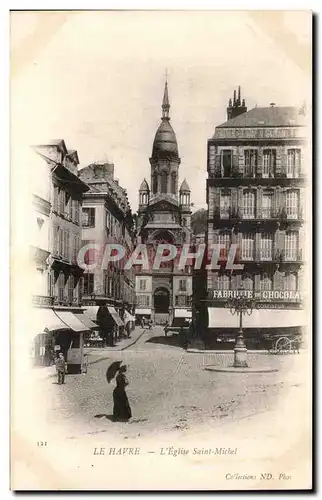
x: 61, y: 368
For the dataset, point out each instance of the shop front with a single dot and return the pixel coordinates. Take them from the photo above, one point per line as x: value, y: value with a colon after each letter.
x: 142, y: 315
x: 260, y: 327
x: 72, y: 344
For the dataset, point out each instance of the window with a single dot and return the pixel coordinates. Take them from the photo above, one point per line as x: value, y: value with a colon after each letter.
x: 266, y: 246
x: 267, y: 199
x: 143, y: 300
x: 226, y: 162
x: 70, y: 208
x: 269, y: 162
x: 60, y: 235
x: 142, y: 284
x: 66, y: 245
x: 88, y: 284
x: 292, y: 202
x: 290, y: 282
x: 181, y: 301
x: 248, y: 205
x: 293, y: 163
x: 173, y: 183
x: 164, y: 182
x: 68, y: 202
x: 182, y: 286
x: 247, y: 247
x: 77, y: 204
x: 250, y: 156
x: 70, y: 288
x: 248, y: 283
x: 291, y: 239
x: 56, y: 197
x: 56, y: 240
x: 52, y: 283
x: 224, y: 242
x: 155, y: 183
x: 61, y: 286
x: 223, y: 282
x: 265, y: 283
x: 224, y: 205
x: 75, y: 239
x: 88, y: 217
x: 61, y: 201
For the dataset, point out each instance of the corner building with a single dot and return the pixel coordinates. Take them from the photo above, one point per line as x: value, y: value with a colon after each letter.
x: 255, y: 196
x: 164, y: 216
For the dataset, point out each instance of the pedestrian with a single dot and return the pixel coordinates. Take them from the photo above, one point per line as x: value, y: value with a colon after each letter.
x: 60, y: 368
x: 121, y: 409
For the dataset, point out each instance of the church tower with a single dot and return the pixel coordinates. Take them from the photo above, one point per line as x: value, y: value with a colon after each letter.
x: 164, y: 217
x: 165, y: 159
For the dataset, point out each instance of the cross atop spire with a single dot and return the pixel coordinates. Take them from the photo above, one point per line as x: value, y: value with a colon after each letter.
x: 165, y: 102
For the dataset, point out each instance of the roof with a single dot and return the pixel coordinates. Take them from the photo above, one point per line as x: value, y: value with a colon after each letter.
x: 273, y: 116
x: 185, y: 186
x: 144, y: 186
x: 165, y: 142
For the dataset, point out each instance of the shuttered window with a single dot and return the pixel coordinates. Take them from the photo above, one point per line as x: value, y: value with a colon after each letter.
x: 266, y: 246
x: 292, y: 204
x: 248, y: 205
x: 248, y: 246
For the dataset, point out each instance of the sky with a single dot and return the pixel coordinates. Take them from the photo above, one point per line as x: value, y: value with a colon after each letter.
x: 96, y: 79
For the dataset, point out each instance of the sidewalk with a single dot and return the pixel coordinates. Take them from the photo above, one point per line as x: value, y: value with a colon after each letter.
x: 102, y: 352
x: 95, y: 355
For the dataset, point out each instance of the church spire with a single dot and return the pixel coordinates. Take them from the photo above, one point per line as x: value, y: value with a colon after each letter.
x: 165, y: 102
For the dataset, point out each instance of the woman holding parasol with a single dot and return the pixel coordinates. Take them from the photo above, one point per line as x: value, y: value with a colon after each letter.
x: 121, y: 409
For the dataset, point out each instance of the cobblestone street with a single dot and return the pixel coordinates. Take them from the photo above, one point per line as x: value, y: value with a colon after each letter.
x: 169, y: 390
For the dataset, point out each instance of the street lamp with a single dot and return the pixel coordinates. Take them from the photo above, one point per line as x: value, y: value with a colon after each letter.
x: 241, y: 305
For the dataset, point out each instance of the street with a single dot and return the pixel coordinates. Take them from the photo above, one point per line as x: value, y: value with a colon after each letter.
x: 179, y: 409
x: 169, y: 390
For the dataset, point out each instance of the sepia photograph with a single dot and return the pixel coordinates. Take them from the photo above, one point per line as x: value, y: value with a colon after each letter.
x: 161, y: 243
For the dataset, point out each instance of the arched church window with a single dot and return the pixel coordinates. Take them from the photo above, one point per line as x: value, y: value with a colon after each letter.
x: 155, y: 183
x: 164, y: 182
x: 173, y: 183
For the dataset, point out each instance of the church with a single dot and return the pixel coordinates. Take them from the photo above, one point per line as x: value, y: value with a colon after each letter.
x: 164, y: 216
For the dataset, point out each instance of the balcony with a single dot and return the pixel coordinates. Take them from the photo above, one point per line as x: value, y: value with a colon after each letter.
x: 42, y: 300
x: 64, y: 300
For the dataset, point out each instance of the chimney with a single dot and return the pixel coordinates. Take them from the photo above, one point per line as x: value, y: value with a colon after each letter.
x: 238, y: 107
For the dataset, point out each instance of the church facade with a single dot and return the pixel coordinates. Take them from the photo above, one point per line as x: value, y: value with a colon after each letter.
x: 164, y: 216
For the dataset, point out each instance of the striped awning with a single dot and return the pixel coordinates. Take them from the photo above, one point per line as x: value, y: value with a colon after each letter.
x: 91, y: 312
x: 86, y: 321
x: 72, y: 322
x: 45, y: 320
x: 115, y: 316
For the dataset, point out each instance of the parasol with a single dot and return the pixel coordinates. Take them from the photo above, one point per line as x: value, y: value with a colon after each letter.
x: 112, y: 370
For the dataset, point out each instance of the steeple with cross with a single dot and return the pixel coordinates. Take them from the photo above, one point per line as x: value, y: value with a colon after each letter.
x: 165, y: 102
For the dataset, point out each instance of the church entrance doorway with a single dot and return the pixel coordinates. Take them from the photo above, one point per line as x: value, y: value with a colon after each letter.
x: 161, y: 301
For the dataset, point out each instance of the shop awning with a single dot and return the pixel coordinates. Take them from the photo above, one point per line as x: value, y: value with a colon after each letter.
x: 260, y: 318
x: 115, y: 316
x: 128, y: 317
x: 91, y: 312
x: 143, y: 311
x: 71, y: 321
x: 182, y: 313
x: 45, y: 320
x: 86, y: 321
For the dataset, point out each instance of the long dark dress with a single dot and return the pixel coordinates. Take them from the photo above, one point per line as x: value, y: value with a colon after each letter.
x: 122, y: 409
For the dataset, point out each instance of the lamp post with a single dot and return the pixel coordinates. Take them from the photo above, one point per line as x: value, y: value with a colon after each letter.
x: 241, y: 305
